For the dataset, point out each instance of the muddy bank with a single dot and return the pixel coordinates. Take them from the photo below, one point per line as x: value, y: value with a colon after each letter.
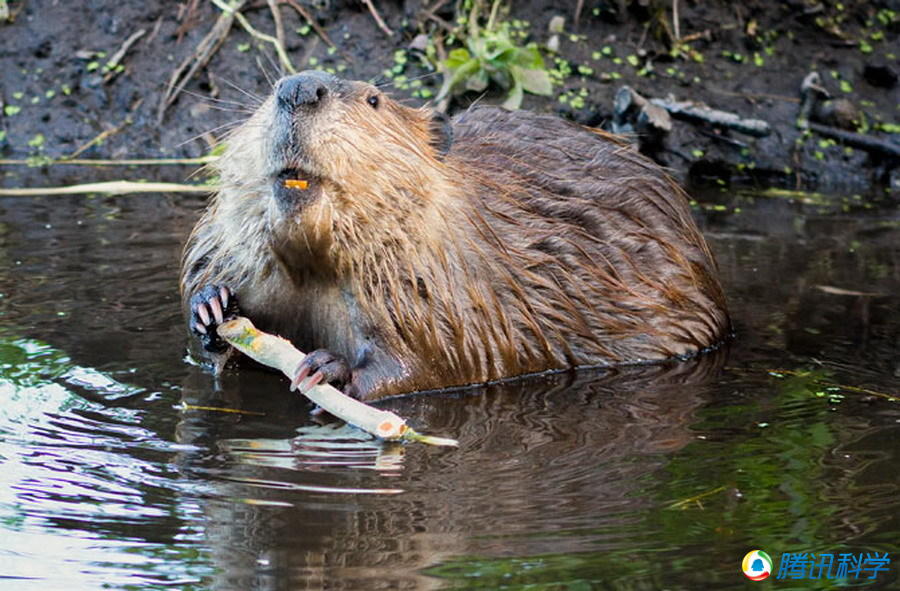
x: 60, y: 87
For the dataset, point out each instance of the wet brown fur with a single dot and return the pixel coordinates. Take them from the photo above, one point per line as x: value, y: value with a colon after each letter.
x: 533, y: 244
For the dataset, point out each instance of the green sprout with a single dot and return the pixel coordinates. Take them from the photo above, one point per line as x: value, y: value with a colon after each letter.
x: 491, y: 56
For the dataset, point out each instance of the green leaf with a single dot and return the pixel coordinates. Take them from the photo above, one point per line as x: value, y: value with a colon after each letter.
x: 534, y: 81
x: 456, y: 58
x: 496, y: 46
x: 477, y: 81
x: 529, y: 58
x: 502, y: 76
x: 514, y: 98
x: 461, y: 73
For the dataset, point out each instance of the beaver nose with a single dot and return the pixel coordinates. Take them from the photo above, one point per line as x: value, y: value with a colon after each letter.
x: 306, y: 89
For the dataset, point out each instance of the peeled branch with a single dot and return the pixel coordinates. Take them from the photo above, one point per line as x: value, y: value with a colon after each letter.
x: 280, y: 354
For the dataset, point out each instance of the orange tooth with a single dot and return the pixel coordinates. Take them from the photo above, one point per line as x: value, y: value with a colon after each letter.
x: 296, y: 184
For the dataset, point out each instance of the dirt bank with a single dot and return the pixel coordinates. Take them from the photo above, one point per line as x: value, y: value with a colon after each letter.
x: 60, y: 87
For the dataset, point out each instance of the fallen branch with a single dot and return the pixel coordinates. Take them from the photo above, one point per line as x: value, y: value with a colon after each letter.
x: 276, y: 17
x: 123, y: 162
x: 695, y: 500
x: 111, y: 188
x: 699, y: 112
x: 632, y: 112
x: 857, y: 140
x: 117, y: 57
x: 280, y: 354
x: 378, y: 20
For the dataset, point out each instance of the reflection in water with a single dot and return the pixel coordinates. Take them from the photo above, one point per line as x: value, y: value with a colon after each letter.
x: 644, y: 478
x: 549, y: 464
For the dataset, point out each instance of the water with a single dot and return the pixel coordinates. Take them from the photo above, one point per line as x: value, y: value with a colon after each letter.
x: 654, y: 478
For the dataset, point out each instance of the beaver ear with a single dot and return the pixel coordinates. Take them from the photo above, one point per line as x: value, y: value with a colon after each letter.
x: 441, y: 133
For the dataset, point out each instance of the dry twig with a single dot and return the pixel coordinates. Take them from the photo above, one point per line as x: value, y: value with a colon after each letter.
x: 105, y: 133
x: 117, y: 57
x: 111, y: 188
x: 276, y: 16
x: 122, y: 162
x: 378, y: 20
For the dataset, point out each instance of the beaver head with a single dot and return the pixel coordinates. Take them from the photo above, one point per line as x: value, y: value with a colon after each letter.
x: 361, y: 154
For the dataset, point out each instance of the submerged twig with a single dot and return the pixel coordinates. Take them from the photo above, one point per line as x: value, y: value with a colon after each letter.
x: 695, y: 499
x: 111, y: 187
x: 280, y: 354
x: 819, y: 381
x: 186, y: 406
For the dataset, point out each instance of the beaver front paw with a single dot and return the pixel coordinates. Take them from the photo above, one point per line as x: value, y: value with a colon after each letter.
x: 323, y: 366
x: 210, y: 307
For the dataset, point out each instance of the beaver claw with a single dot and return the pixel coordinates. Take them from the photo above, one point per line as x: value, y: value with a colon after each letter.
x: 322, y: 366
x: 210, y: 307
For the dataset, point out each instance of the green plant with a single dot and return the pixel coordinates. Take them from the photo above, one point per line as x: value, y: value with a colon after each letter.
x: 491, y: 55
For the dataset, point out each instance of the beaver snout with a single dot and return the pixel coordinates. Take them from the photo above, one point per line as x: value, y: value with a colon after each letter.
x: 306, y: 90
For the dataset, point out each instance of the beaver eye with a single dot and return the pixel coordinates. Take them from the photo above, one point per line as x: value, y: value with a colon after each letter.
x: 373, y: 100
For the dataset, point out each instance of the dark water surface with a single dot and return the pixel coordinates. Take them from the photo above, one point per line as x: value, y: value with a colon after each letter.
x: 657, y: 478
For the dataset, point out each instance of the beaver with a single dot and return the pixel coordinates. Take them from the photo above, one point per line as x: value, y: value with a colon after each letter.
x: 412, y: 252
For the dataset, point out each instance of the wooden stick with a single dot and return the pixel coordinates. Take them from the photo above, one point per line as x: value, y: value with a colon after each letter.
x: 699, y: 112
x: 111, y: 187
x: 857, y: 140
x: 123, y: 162
x: 676, y: 21
x: 280, y: 354
x: 276, y: 16
x: 117, y: 56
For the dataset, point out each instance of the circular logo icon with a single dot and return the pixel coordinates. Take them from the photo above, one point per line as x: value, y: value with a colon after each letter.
x: 756, y: 565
